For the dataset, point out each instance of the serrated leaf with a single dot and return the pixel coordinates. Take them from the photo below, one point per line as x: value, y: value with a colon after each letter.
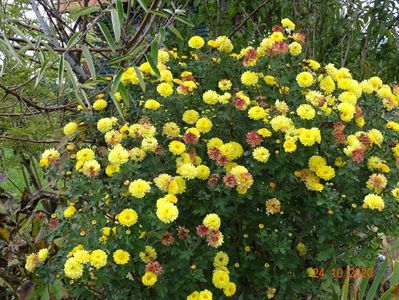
x: 175, y: 31
x: 57, y: 289
x: 108, y: 37
x: 84, y: 11
x: 89, y: 61
x: 116, y: 25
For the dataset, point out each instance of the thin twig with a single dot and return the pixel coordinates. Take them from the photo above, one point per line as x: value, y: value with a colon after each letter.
x: 247, y: 18
x: 14, y: 138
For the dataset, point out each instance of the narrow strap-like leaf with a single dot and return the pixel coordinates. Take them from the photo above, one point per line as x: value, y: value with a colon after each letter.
x: 61, y: 73
x: 108, y: 37
x: 116, y: 25
x: 345, y: 287
x: 377, y: 279
x: 89, y: 60
x: 140, y: 77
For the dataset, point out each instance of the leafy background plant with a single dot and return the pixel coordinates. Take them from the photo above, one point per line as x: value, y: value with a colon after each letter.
x: 36, y: 58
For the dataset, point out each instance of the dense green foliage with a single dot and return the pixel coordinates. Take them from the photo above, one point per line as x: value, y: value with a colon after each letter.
x: 361, y: 36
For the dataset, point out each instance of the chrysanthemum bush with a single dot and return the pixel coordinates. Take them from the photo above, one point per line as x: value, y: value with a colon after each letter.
x: 224, y: 173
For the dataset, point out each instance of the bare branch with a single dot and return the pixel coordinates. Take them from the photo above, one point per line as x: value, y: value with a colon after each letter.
x: 14, y: 138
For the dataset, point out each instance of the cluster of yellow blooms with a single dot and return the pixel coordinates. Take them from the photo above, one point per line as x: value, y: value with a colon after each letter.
x: 328, y: 92
x: 78, y: 257
x: 33, y: 260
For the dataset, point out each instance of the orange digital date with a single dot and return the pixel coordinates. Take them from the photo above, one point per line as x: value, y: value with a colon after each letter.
x: 354, y: 272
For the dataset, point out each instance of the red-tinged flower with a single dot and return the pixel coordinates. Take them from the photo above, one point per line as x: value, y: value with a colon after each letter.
x: 202, y: 230
x: 188, y: 78
x: 229, y: 180
x: 278, y: 48
x: 154, y: 267
x: 214, y: 153
x: 222, y: 160
x: 183, y: 89
x: 338, y: 133
x: 240, y: 104
x: 158, y: 150
x: 182, y: 232
x: 245, y: 180
x: 190, y: 138
x: 358, y: 111
x: 277, y: 28
x: 167, y: 238
x: 253, y: 139
x: 213, y: 180
x: 53, y: 223
x: 215, y: 239
x: 322, y: 100
x: 299, y: 37
x: 358, y: 155
x: 389, y: 102
x: 365, y: 139
x: 250, y: 57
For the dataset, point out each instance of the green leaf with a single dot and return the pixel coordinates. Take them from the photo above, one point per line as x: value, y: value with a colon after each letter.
x: 345, y: 287
x: 363, y: 286
x: 121, y: 14
x: 117, y: 80
x: 57, y: 289
x: 140, y: 77
x: 21, y: 34
x: 61, y: 68
x: 80, y: 94
x: 43, y: 68
x: 3, y: 67
x: 108, y: 37
x: 159, y: 13
x: 72, y: 39
x: 175, y: 31
x: 118, y: 108
x: 154, y: 52
x: 143, y: 5
x: 84, y: 11
x: 153, y: 65
x: 116, y: 25
x: 89, y: 60
x: 377, y: 279
x: 10, y: 49
x: 185, y: 21
x: 395, y: 274
x: 125, y: 95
